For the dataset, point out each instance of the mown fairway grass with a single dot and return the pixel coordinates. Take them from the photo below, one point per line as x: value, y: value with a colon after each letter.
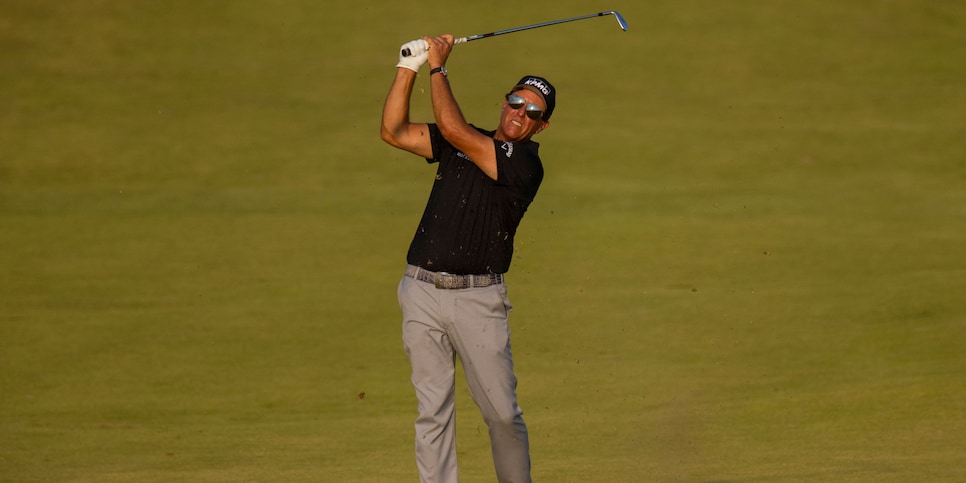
x: 747, y: 262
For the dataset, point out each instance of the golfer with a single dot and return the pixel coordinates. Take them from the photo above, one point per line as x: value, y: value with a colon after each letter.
x: 453, y: 297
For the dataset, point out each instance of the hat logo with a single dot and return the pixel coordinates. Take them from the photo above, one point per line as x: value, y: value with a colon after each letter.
x: 539, y: 85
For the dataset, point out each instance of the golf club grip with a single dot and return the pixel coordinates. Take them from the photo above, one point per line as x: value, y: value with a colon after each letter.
x: 461, y: 40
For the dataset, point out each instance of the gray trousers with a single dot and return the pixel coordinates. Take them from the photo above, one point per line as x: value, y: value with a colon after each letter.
x: 439, y: 324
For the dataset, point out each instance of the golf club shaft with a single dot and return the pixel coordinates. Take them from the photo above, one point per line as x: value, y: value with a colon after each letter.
x: 461, y: 40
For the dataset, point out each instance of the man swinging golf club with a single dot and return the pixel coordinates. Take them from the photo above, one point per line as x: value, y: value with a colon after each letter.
x: 453, y: 297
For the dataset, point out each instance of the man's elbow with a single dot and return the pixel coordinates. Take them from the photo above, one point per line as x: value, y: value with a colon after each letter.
x: 455, y: 133
x: 388, y: 136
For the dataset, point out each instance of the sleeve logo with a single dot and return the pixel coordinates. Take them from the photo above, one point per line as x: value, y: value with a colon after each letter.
x: 508, y: 147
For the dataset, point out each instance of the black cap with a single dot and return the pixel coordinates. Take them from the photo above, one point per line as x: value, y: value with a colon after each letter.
x: 541, y: 87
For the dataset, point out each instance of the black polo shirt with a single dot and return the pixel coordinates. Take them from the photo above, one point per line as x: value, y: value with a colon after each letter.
x: 470, y: 219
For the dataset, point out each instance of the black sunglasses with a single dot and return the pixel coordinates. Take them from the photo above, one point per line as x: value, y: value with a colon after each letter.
x: 516, y: 102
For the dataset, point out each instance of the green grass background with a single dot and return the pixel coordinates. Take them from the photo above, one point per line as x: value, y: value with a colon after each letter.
x: 747, y: 261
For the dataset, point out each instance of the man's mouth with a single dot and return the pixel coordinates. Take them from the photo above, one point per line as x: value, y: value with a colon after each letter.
x: 517, y: 123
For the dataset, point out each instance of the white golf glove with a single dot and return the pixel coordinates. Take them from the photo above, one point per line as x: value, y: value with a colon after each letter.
x: 418, y: 54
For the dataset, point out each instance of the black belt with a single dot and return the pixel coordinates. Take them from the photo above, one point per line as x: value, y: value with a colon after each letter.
x: 450, y: 281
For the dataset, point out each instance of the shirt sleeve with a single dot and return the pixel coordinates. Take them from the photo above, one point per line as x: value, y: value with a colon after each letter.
x: 519, y: 167
x: 436, y: 141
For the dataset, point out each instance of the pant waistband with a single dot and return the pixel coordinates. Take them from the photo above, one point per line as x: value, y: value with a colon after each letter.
x: 449, y: 281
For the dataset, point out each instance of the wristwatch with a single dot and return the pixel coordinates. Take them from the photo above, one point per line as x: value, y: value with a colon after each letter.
x: 441, y: 69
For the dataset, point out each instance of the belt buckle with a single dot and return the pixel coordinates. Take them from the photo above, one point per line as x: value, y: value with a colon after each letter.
x: 439, y: 280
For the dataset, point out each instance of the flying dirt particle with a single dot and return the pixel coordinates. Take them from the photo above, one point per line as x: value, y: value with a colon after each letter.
x: 694, y: 289
x: 362, y: 395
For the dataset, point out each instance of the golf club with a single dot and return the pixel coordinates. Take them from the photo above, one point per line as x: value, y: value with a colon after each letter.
x: 461, y: 40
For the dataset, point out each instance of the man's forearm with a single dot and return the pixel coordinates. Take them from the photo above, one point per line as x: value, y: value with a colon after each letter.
x: 395, y: 112
x: 445, y: 109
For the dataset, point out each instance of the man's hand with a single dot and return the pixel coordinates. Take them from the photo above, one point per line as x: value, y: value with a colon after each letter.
x: 419, y: 53
x: 439, y: 49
